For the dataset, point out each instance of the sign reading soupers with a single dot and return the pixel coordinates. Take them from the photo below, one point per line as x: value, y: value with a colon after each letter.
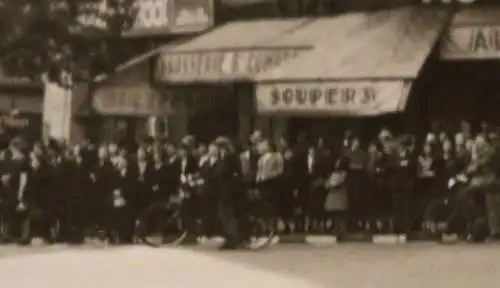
x: 358, y: 98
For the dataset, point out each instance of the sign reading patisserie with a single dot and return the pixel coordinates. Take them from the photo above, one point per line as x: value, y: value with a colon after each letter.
x: 215, y: 65
x: 118, y: 100
x: 361, y: 98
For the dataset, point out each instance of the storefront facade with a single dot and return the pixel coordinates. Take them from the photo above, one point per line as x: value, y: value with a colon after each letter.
x: 469, y: 67
x: 26, y: 97
x: 210, y: 78
x: 370, y: 69
x: 123, y: 106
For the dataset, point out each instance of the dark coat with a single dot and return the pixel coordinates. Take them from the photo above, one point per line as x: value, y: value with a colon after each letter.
x: 125, y: 184
x: 143, y: 182
x: 159, y: 182
x: 38, y: 192
x: 102, y: 183
x: 172, y: 175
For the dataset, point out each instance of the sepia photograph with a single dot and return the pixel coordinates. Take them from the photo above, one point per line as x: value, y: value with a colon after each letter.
x: 249, y: 143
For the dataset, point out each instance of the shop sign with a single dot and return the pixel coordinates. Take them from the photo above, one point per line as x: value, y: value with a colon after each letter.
x: 357, y: 98
x: 192, y: 15
x: 127, y: 101
x: 151, y: 14
x: 220, y: 65
x: 472, y: 43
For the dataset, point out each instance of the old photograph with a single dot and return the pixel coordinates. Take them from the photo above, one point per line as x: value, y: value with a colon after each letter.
x: 249, y: 143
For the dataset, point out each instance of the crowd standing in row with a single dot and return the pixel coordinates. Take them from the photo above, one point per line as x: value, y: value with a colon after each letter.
x: 84, y: 188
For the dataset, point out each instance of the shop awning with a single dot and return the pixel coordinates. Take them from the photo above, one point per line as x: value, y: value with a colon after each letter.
x: 235, y: 51
x: 364, y: 73
x: 474, y: 33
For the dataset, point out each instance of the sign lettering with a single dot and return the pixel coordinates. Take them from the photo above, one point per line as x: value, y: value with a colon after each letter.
x: 327, y: 96
x: 344, y: 97
x: 151, y: 14
x: 192, y: 15
x: 154, y: 17
x: 472, y: 43
x: 214, y: 65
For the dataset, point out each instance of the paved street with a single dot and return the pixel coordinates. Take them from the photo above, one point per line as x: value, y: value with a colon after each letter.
x: 356, y: 265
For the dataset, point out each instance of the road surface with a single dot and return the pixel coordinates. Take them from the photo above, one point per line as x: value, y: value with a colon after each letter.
x: 350, y: 265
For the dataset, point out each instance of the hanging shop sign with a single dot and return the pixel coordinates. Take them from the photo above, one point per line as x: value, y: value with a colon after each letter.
x: 151, y: 14
x: 356, y: 98
x: 482, y: 42
x: 127, y: 101
x: 155, y: 17
x: 219, y: 65
x: 192, y: 15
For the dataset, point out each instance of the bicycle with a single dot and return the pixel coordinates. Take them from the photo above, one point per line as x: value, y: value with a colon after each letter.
x: 257, y: 224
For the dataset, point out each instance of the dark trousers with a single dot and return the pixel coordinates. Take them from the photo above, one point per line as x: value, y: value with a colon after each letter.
x: 355, y: 184
x: 400, y: 203
x: 227, y: 216
x: 121, y: 225
x: 17, y: 224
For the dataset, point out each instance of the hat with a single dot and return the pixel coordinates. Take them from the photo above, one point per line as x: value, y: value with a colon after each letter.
x: 256, y: 136
x: 188, y: 141
x: 221, y: 141
x: 385, y: 134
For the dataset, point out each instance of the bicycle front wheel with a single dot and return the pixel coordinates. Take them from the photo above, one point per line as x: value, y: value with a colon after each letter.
x: 161, y: 225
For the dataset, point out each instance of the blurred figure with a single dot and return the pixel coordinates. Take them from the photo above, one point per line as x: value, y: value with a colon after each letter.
x: 227, y: 174
x: 172, y: 169
x: 15, y: 178
x: 188, y: 168
x: 288, y: 192
x: 428, y: 169
x: 270, y: 169
x: 142, y: 181
x: 356, y: 158
x: 40, y: 198
x: 121, y: 216
x: 101, y: 175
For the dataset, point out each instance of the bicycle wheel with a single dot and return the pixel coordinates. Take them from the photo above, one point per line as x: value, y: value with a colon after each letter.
x: 261, y: 225
x: 161, y: 224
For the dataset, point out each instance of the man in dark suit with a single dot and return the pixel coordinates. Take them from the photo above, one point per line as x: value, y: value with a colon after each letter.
x: 40, y: 198
x: 15, y: 178
x: 226, y: 176
x: 142, y: 174
x: 79, y: 197
x: 172, y: 170
x: 188, y: 168
x: 319, y: 164
x: 101, y: 176
x: 120, y: 203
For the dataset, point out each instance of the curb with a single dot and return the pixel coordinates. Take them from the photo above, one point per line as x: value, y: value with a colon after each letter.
x: 326, y: 240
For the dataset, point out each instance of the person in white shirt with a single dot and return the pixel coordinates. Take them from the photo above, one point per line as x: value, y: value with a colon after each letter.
x: 270, y: 169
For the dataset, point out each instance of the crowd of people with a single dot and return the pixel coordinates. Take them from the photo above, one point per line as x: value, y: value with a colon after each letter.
x: 384, y: 186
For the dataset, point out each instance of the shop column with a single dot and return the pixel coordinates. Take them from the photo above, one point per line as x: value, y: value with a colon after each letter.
x: 178, y: 120
x: 58, y: 110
